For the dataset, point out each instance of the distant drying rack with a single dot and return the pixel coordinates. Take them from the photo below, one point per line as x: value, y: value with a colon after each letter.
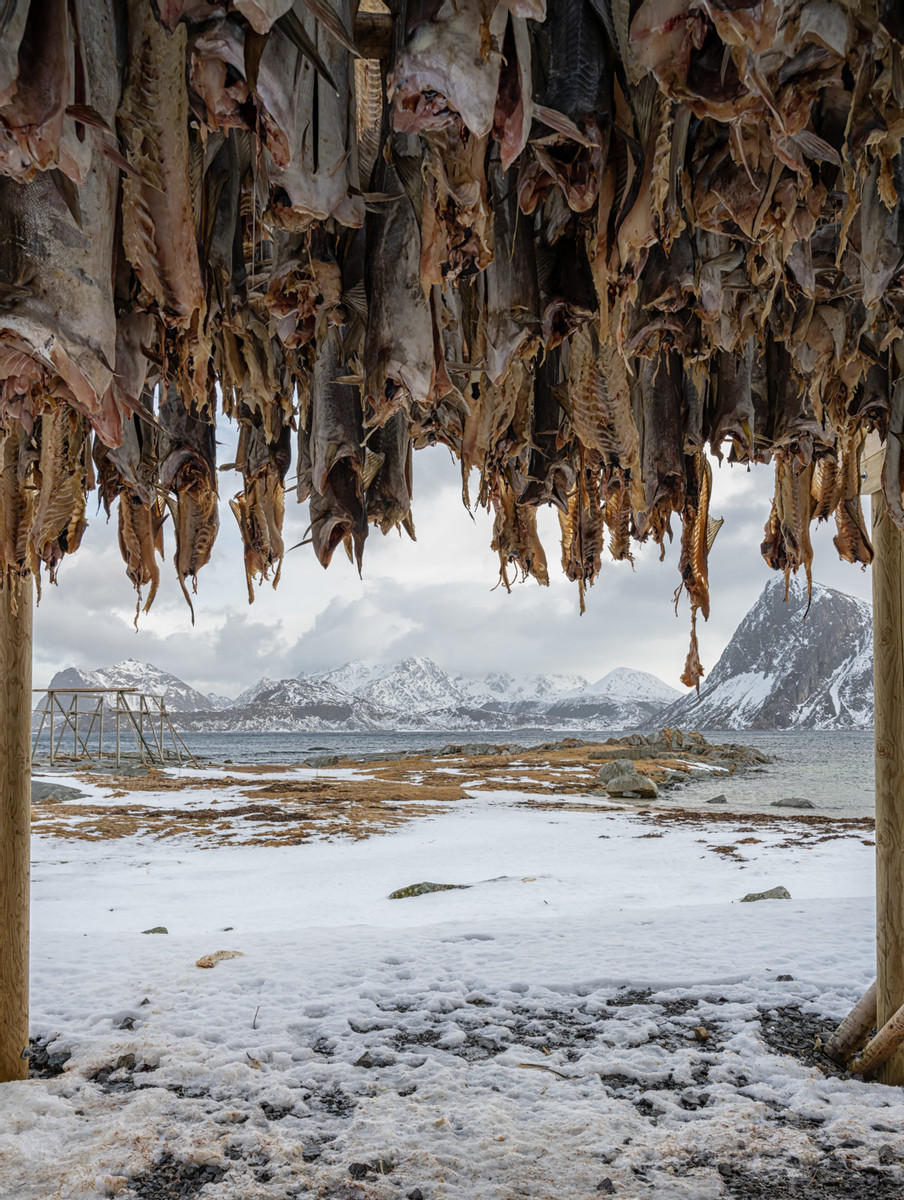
x: 106, y: 725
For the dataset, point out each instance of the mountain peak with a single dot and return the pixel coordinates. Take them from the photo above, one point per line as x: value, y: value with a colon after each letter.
x: 802, y: 664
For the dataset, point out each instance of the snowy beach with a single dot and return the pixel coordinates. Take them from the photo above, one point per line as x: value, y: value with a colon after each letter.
x: 596, y: 1012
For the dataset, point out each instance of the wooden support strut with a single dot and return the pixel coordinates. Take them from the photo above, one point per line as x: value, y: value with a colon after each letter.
x: 853, y: 1032
x: 888, y: 682
x: 15, y: 827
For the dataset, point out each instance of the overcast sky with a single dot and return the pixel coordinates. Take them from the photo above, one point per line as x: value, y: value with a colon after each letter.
x: 436, y: 597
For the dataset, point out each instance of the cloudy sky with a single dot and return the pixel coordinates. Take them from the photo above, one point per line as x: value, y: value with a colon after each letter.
x: 436, y: 597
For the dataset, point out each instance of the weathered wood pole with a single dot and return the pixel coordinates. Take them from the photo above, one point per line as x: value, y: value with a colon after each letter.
x: 15, y: 828
x: 888, y: 665
x: 853, y: 1032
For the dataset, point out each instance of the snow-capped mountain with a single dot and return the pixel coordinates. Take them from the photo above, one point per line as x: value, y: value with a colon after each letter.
x: 417, y: 694
x: 499, y: 687
x: 414, y: 685
x: 177, y: 695
x: 786, y: 668
x: 623, y: 699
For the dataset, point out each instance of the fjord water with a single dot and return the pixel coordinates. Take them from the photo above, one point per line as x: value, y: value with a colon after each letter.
x: 831, y: 768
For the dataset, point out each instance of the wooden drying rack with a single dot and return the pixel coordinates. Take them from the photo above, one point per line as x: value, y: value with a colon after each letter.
x: 146, y: 725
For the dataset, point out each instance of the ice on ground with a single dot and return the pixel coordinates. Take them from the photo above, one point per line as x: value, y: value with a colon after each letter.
x: 595, y: 1006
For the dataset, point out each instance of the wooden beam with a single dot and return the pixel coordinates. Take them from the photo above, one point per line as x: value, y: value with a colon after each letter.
x: 853, y: 1032
x: 15, y: 828
x: 373, y: 34
x: 888, y: 677
x: 872, y: 460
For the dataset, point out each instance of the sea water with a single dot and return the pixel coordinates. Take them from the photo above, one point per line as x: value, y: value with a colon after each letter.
x: 831, y: 769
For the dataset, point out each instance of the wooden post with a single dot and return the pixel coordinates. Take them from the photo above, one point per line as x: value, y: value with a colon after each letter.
x: 888, y: 666
x: 15, y: 829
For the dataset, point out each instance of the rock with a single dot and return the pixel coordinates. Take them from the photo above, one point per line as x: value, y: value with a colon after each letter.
x: 321, y: 760
x: 41, y: 790
x: 776, y: 893
x: 156, y: 929
x: 793, y: 802
x: 617, y: 766
x: 207, y: 961
x: 720, y: 799
x: 379, y: 1058
x: 635, y: 786
x: 415, y: 1194
x: 422, y: 889
x: 606, y: 1186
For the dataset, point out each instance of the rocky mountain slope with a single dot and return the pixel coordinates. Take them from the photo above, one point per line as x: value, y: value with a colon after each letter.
x: 789, y: 668
x: 178, y: 695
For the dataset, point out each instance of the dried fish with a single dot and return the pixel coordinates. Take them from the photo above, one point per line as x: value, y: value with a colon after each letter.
x: 581, y: 251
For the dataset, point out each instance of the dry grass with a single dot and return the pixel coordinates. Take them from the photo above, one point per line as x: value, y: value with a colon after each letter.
x: 376, y: 797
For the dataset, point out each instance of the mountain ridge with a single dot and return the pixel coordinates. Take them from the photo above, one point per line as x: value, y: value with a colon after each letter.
x: 801, y: 664
x: 804, y: 663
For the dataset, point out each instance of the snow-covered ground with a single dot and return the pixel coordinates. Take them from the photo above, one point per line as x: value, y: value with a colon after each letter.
x: 596, y: 1014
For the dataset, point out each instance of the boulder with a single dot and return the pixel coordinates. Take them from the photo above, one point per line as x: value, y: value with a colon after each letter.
x: 776, y: 893
x: 422, y: 889
x: 793, y: 802
x: 42, y: 790
x: 633, y: 785
x: 156, y: 929
x: 720, y: 799
x: 321, y: 760
x: 618, y: 766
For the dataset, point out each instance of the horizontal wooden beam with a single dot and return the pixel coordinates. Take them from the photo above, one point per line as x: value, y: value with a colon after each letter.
x: 373, y: 34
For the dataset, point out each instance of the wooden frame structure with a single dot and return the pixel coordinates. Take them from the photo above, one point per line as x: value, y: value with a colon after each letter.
x: 140, y: 716
x: 645, y: 328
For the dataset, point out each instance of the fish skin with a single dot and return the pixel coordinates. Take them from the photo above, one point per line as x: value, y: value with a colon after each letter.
x: 61, y: 317
x: 10, y: 40
x: 188, y: 475
x: 399, y: 361
x: 448, y: 69
x: 573, y: 62
x: 582, y: 530
x: 516, y: 540
x: 259, y: 508
x: 662, y: 457
x: 514, y: 106
x: 388, y: 494
x: 310, y: 127
x: 158, y: 222
x: 787, y: 546
x: 550, y: 474
x: 511, y: 301
x: 337, y: 459
x: 62, y: 478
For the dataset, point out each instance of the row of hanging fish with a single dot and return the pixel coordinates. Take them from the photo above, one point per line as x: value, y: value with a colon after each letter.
x: 583, y: 249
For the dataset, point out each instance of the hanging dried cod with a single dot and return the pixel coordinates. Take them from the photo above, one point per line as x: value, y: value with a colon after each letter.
x: 586, y: 253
